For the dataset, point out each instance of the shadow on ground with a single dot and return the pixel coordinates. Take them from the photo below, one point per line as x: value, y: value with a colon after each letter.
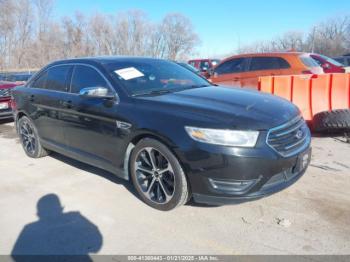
x: 95, y: 171
x: 57, y: 233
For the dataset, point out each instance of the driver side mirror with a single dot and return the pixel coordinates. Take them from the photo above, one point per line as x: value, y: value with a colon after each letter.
x: 96, y: 92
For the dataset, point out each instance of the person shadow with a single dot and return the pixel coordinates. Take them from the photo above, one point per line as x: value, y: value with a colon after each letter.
x: 57, y: 234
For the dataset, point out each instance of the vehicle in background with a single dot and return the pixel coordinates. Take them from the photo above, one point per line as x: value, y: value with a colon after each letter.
x: 189, y: 67
x: 5, y: 99
x: 344, y: 60
x: 204, y: 65
x: 169, y: 131
x: 19, y: 78
x: 245, y: 70
x: 328, y: 64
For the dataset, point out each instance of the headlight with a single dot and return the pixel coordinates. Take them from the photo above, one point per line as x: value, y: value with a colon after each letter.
x: 223, y: 137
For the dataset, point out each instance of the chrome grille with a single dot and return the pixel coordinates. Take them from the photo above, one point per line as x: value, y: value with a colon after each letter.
x: 5, y: 92
x: 289, y: 138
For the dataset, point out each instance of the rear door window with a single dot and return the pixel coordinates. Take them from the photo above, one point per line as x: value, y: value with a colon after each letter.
x: 236, y: 65
x: 86, y: 76
x: 268, y: 63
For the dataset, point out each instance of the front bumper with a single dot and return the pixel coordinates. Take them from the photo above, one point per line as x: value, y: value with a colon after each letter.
x: 6, y: 114
x: 223, y: 175
x: 281, y: 182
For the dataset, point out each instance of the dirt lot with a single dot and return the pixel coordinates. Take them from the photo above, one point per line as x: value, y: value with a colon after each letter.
x: 310, y: 217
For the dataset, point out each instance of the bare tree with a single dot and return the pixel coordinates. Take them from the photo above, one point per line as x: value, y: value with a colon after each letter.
x: 331, y: 38
x: 30, y: 37
x: 7, y: 29
x: 179, y: 36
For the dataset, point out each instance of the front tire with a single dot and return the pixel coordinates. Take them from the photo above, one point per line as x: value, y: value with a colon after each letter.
x: 158, y: 176
x: 29, y: 138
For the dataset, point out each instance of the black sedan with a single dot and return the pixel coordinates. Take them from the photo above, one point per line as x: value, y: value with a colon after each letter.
x: 171, y: 132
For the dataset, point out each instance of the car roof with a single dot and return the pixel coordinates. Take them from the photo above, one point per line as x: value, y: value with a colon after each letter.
x: 269, y: 54
x: 105, y: 59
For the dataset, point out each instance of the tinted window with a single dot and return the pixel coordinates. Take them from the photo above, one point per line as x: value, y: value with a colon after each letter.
x: 347, y: 62
x: 268, y: 63
x: 41, y: 81
x: 85, y: 76
x: 340, y: 60
x: 330, y: 60
x: 232, y: 66
x: 57, y: 78
x: 308, y: 61
x: 319, y: 62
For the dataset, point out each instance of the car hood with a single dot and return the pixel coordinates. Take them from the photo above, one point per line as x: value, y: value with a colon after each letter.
x: 227, y: 107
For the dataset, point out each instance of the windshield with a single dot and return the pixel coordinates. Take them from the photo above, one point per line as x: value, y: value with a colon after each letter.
x: 152, y: 76
x: 331, y: 61
x: 188, y: 66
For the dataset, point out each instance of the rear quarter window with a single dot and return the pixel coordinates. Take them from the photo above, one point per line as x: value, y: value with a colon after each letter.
x: 308, y: 61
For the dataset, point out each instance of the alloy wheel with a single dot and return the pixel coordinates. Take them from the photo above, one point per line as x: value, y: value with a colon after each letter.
x: 155, y: 175
x: 28, y: 137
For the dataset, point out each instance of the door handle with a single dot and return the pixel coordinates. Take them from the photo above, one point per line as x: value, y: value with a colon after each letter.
x: 31, y: 98
x: 235, y: 79
x: 67, y: 104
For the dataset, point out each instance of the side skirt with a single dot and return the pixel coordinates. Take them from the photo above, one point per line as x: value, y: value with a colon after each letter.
x: 86, y: 158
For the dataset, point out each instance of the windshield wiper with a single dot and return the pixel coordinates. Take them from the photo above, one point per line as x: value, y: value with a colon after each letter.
x: 154, y: 92
x: 199, y: 86
x: 167, y: 91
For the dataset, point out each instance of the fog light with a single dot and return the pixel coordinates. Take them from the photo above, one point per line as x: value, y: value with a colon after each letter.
x: 235, y: 187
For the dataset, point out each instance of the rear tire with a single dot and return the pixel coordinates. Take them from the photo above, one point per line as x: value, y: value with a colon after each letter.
x: 158, y: 176
x: 29, y: 138
x: 332, y: 121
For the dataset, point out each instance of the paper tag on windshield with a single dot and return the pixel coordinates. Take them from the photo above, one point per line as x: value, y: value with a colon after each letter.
x: 129, y: 73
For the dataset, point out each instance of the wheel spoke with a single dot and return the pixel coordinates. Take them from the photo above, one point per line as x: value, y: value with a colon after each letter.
x: 144, y: 158
x: 165, y: 191
x: 167, y: 169
x: 144, y: 170
x: 150, y: 186
x: 25, y: 135
x: 150, y: 152
x: 28, y: 146
x: 159, y: 193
